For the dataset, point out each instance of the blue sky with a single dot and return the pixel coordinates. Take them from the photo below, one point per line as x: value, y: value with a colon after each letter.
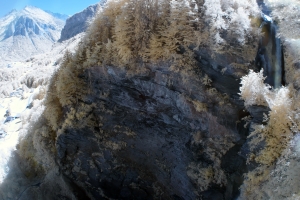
x: 68, y: 7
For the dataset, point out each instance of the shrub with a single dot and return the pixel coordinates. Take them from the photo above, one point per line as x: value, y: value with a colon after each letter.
x: 253, y: 89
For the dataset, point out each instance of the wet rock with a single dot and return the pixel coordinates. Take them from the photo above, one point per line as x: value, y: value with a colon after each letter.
x: 219, y: 71
x: 258, y: 113
x: 212, y: 194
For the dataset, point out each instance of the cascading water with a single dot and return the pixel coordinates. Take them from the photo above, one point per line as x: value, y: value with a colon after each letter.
x: 270, y: 56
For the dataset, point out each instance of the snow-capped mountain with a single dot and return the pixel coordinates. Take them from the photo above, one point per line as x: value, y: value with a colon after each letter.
x: 58, y: 15
x: 28, y: 32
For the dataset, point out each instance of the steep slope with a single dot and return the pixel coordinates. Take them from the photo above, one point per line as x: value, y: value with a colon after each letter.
x: 79, y: 22
x: 27, y: 32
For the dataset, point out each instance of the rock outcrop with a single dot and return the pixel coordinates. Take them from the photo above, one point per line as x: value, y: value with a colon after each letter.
x: 150, y: 141
x: 151, y: 135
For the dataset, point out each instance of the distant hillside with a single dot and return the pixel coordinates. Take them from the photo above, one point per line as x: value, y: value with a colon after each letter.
x: 58, y: 15
x: 79, y: 22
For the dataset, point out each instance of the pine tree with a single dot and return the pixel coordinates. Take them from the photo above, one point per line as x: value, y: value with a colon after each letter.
x: 67, y: 58
x: 176, y: 31
x: 124, y: 32
x: 156, y: 48
x: 146, y: 17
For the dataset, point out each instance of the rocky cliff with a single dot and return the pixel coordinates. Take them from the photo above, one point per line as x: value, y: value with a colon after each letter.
x: 79, y: 22
x: 155, y: 134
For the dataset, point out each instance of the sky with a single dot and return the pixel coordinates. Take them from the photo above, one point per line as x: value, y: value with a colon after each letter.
x: 68, y: 7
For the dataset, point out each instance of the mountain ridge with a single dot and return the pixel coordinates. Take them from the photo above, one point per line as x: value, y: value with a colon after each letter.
x: 58, y: 15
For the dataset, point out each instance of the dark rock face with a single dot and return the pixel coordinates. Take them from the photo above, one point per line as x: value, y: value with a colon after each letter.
x: 149, y: 141
x: 78, y: 23
x: 225, y: 81
x: 258, y: 112
x: 152, y: 134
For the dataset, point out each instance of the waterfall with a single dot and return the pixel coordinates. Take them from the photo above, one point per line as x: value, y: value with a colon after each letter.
x: 277, y: 58
x: 269, y: 55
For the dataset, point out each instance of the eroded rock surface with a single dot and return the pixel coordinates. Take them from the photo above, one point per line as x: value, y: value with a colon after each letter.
x: 150, y: 141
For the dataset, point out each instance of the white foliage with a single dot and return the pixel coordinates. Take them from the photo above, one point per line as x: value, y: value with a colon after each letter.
x: 214, y: 14
x: 286, y: 14
x: 253, y: 89
x: 255, y: 92
x: 232, y: 15
x: 7, y: 145
x: 282, y: 123
x: 240, y: 24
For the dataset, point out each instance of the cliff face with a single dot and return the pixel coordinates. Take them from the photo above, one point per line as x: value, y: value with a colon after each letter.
x: 78, y: 23
x: 152, y: 134
x: 155, y: 135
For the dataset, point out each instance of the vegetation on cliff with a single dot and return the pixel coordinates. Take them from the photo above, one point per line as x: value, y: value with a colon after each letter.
x: 132, y: 33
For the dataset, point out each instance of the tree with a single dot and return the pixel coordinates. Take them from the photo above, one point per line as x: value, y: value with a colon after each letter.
x: 176, y: 31
x: 124, y: 32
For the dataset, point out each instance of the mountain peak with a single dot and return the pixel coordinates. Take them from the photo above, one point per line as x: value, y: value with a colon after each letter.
x: 12, y: 11
x: 30, y: 7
